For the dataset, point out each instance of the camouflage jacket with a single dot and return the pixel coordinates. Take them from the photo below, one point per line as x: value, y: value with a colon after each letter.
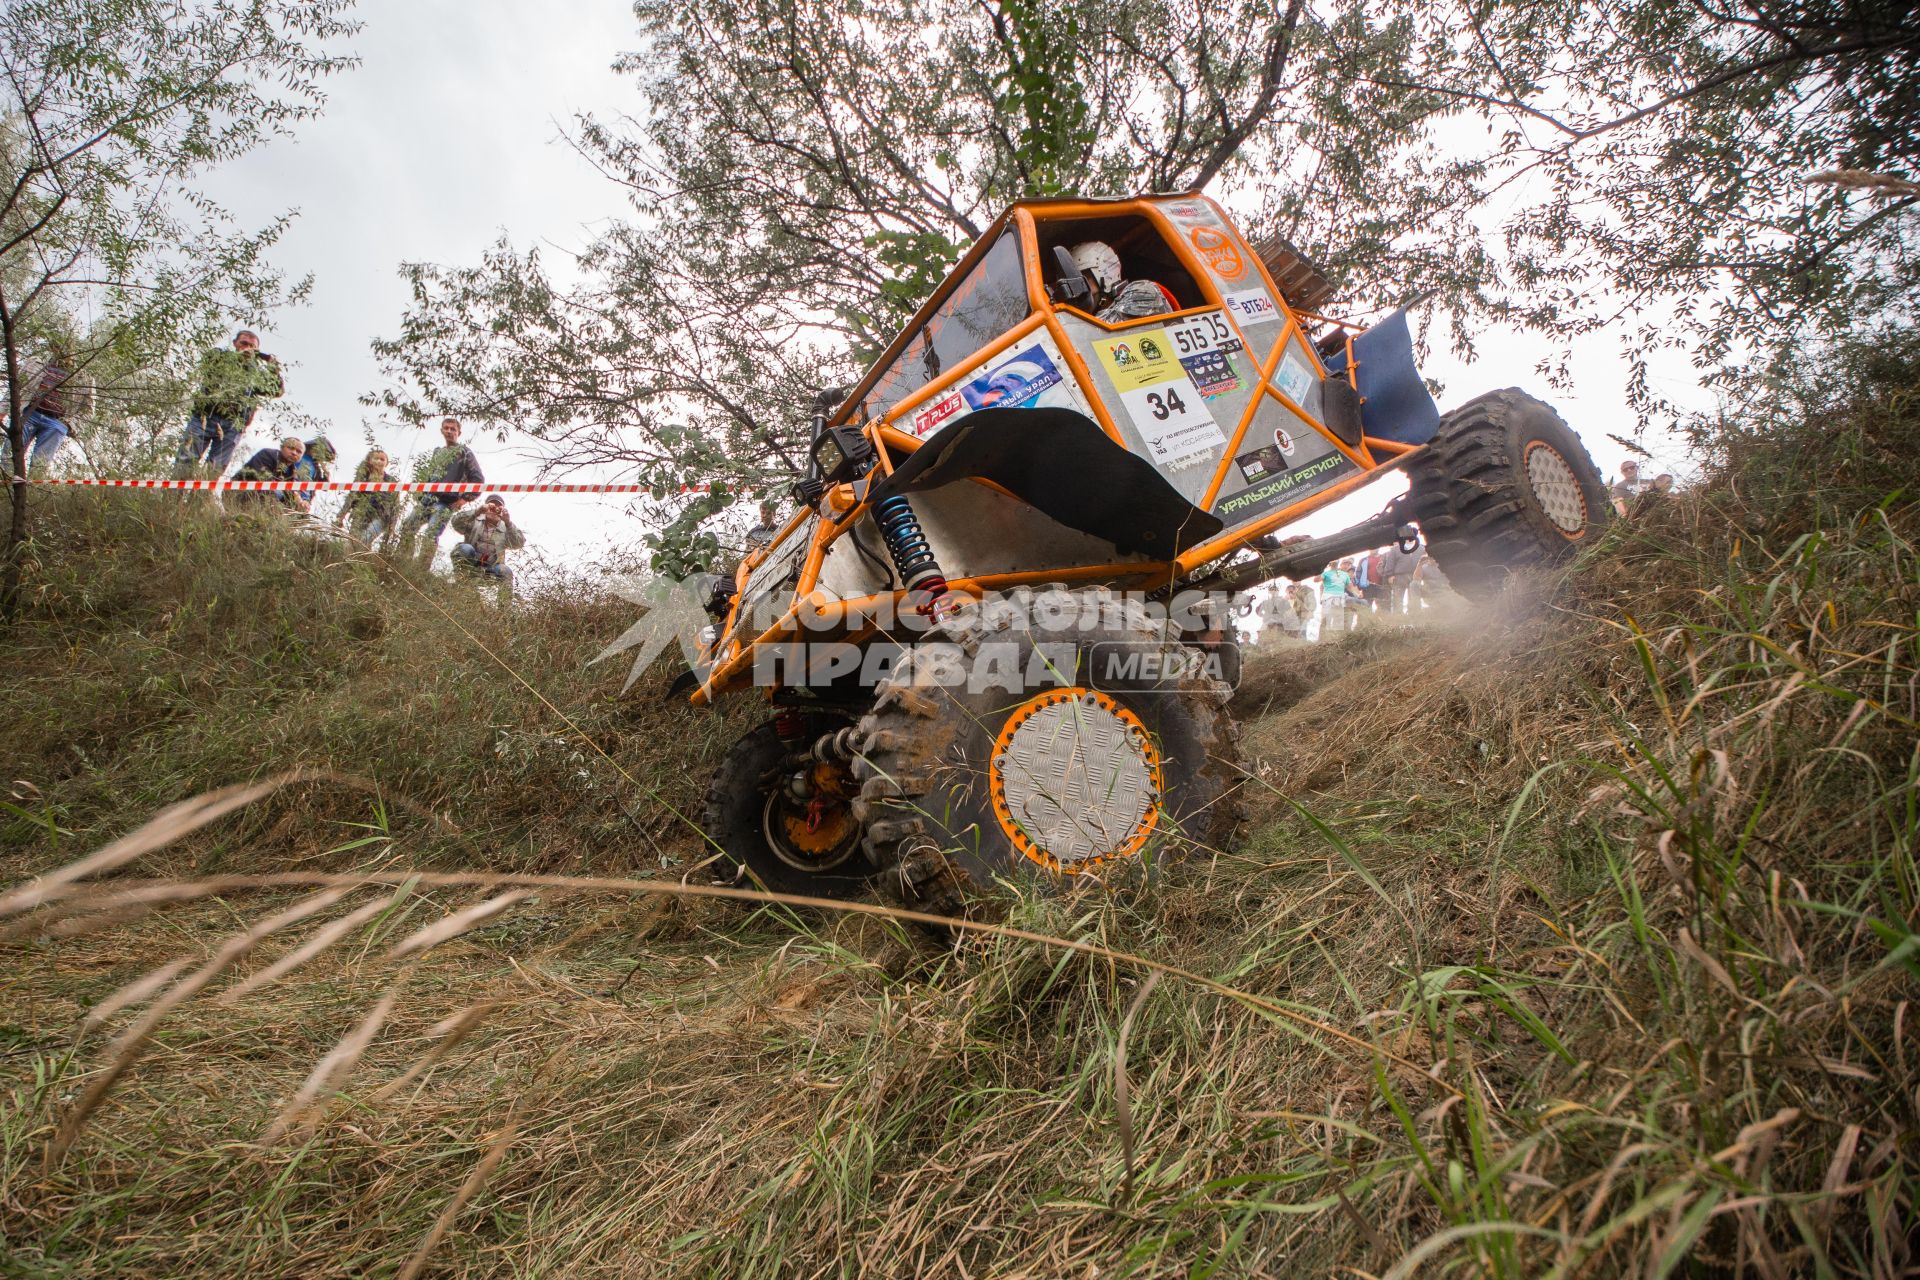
x: 492, y: 541
x: 232, y: 382
x: 1135, y: 298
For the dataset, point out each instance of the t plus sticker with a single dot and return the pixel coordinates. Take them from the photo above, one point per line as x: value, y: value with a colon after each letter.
x: 938, y: 414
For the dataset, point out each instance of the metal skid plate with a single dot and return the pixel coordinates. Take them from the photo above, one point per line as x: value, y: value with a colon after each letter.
x: 1075, y: 780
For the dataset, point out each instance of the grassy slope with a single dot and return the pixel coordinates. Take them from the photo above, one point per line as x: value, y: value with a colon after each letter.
x: 1626, y: 872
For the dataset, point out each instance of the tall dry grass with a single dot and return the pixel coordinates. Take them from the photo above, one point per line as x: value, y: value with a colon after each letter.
x: 1580, y: 941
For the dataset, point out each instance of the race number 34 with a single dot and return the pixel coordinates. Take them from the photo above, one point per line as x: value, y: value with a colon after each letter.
x: 1173, y: 419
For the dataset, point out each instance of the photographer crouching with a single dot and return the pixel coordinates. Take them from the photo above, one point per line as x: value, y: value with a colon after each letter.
x: 486, y: 536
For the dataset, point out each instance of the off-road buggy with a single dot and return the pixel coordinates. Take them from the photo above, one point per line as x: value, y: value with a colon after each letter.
x: 994, y: 634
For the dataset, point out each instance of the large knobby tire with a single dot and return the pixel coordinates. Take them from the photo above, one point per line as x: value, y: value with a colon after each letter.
x: 1505, y: 485
x: 1112, y: 746
x: 760, y: 832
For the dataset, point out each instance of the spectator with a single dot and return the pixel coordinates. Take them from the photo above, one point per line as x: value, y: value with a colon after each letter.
x: 1628, y: 487
x: 1401, y: 569
x: 274, y: 464
x: 48, y: 408
x: 1306, y: 607
x: 1336, y: 595
x: 487, y: 535
x: 232, y: 383
x: 452, y: 463
x: 1277, y: 610
x: 370, y: 517
x: 1371, y: 578
x: 316, y: 465
x: 1663, y: 483
x: 764, y: 533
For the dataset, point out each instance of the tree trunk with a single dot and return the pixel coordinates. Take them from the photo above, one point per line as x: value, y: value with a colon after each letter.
x: 17, y: 526
x: 10, y: 560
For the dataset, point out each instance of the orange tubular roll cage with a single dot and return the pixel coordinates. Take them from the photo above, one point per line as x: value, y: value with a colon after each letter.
x: 846, y: 503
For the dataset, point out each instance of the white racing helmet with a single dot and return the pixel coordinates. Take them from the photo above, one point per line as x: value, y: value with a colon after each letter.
x: 1097, y: 259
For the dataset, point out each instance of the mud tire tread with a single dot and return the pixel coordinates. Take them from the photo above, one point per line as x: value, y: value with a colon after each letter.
x: 898, y: 743
x: 1468, y: 492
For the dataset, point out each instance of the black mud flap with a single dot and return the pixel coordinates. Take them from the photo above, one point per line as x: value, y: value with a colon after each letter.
x: 1061, y: 463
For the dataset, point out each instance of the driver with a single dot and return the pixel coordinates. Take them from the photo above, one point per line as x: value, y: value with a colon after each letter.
x: 1115, y: 298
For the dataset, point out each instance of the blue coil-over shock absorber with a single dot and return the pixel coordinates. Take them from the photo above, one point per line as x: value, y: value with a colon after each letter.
x: 912, y: 554
x: 844, y: 453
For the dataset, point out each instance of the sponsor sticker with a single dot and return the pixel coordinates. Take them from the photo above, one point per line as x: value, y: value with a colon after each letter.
x: 1016, y: 381
x: 932, y: 417
x: 1268, y: 460
x: 1217, y: 250
x: 1251, y: 305
x: 1281, y: 486
x: 1293, y: 377
x: 1212, y: 373
x: 1173, y: 419
x: 1258, y: 464
x: 1140, y: 358
x: 1167, y: 408
x: 1022, y: 379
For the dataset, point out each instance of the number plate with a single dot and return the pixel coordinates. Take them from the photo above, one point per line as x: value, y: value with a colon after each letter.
x: 1209, y: 332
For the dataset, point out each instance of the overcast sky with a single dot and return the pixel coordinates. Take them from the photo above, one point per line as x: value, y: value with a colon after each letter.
x: 449, y: 134
x: 446, y: 136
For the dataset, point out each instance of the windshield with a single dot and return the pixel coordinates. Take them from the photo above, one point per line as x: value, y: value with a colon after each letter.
x: 988, y: 302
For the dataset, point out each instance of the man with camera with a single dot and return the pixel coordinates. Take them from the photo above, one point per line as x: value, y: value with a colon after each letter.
x: 486, y: 537
x: 233, y: 382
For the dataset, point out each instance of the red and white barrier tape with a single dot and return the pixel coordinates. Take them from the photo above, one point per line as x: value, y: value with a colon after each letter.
x: 467, y: 488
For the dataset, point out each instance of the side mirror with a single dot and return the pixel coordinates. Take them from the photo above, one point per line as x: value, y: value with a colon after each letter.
x: 1070, y: 287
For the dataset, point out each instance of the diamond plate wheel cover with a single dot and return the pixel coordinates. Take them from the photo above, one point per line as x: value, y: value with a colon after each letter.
x: 1556, y: 488
x: 1075, y: 780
